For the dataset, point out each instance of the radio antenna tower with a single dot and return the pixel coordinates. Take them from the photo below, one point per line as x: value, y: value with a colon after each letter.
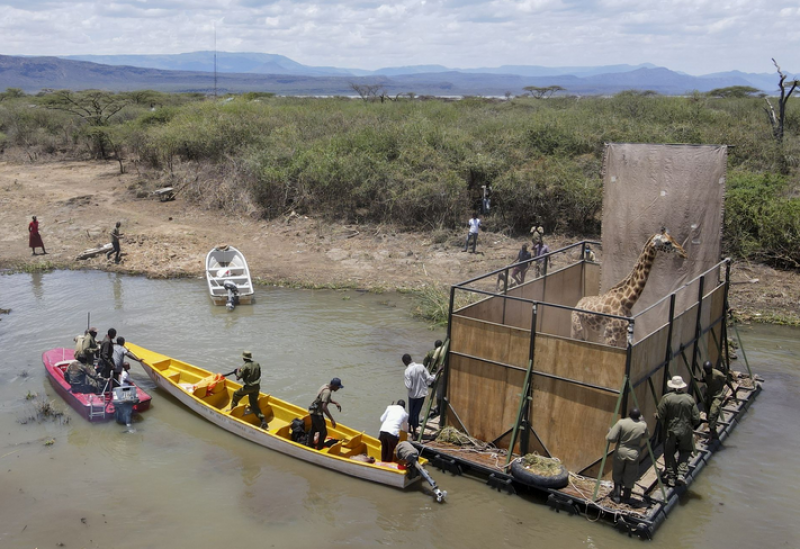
x: 215, y: 61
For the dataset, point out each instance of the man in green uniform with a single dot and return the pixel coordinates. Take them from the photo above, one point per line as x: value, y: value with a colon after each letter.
x: 87, y: 346
x: 250, y: 374
x: 319, y: 409
x: 716, y: 382
x: 679, y: 415
x: 432, y: 357
x: 628, y: 433
x: 83, y: 378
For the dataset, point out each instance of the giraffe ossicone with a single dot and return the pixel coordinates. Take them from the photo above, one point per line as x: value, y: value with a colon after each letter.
x: 620, y: 299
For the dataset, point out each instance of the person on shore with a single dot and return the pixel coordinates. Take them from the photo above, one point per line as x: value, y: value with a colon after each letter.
x: 250, y: 374
x: 540, y: 251
x: 716, y: 382
x: 118, y: 357
x: 105, y: 365
x: 417, y: 380
x: 588, y: 254
x: 679, y: 415
x: 319, y: 409
x: 34, y: 238
x: 628, y: 434
x: 82, y: 378
x: 518, y: 272
x: 394, y: 420
x: 115, y: 236
x: 86, y: 347
x: 474, y: 225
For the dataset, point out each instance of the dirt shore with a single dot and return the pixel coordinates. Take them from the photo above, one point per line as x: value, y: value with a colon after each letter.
x: 77, y: 204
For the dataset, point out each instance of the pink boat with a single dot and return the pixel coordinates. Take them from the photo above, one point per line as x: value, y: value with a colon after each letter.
x: 91, y: 407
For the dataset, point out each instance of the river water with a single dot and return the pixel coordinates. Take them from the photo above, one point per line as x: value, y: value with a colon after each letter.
x: 179, y: 481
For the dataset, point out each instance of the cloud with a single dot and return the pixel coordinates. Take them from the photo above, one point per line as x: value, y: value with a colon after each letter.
x: 695, y: 36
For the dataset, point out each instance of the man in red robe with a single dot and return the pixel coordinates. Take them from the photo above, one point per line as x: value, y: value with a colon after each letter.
x: 34, y: 238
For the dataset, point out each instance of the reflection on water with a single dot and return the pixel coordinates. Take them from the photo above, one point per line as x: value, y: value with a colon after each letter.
x: 179, y: 481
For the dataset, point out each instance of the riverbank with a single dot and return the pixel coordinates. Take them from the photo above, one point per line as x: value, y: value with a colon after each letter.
x: 77, y: 204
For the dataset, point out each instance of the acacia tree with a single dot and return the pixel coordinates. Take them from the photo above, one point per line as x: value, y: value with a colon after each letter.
x: 367, y: 91
x: 777, y: 120
x: 94, y: 107
x: 733, y: 92
x: 543, y: 92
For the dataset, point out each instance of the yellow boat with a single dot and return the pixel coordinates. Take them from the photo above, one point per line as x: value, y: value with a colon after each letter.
x: 210, y: 396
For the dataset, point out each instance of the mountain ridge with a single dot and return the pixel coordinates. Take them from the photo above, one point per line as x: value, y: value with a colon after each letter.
x: 283, y: 76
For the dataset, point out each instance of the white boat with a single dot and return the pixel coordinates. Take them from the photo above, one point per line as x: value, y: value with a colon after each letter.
x: 228, y: 277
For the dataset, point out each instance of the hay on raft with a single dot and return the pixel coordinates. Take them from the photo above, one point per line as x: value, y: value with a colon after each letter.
x: 454, y: 436
x: 540, y: 465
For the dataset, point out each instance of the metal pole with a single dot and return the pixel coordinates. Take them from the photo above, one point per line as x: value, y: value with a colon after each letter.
x: 669, y: 354
x: 697, y: 328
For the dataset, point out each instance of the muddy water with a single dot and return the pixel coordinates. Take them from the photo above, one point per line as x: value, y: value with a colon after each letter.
x: 179, y: 481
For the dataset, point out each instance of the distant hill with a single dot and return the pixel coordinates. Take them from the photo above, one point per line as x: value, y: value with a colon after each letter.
x: 238, y: 73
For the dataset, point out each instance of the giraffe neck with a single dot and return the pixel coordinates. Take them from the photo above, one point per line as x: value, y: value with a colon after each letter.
x: 631, y: 287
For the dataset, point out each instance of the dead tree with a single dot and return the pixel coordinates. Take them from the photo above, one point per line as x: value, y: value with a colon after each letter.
x: 777, y: 120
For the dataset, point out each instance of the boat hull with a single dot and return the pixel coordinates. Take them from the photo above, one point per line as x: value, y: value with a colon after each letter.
x: 226, y: 264
x: 390, y: 474
x: 94, y: 408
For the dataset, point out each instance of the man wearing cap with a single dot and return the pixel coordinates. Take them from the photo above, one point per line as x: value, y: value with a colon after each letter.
x: 250, y: 374
x: 628, y: 433
x: 417, y: 379
x: 319, y: 409
x: 679, y: 415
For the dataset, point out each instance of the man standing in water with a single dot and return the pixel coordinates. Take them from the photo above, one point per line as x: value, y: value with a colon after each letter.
x: 679, y: 415
x: 319, y: 409
x: 250, y: 374
x: 115, y: 236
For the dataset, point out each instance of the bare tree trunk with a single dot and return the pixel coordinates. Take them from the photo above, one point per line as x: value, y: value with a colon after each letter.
x: 777, y: 121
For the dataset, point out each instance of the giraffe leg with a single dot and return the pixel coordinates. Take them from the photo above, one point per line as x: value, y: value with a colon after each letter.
x: 578, y: 331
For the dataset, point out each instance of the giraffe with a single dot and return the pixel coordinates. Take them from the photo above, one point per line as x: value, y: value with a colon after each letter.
x: 620, y: 299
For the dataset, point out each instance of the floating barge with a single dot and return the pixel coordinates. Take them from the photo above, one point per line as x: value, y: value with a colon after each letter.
x: 515, y: 379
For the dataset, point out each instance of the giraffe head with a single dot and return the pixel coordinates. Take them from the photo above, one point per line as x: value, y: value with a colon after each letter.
x: 663, y: 242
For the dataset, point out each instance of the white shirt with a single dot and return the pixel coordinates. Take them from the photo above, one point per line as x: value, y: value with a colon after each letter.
x: 394, y: 419
x: 125, y: 379
x: 417, y: 380
x: 474, y: 225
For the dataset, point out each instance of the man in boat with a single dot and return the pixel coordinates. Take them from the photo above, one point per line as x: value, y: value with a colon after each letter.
x: 250, y: 374
x: 118, y: 357
x: 417, y: 379
x: 716, y: 382
x: 106, y: 363
x: 679, y: 415
x: 124, y: 376
x: 319, y: 409
x: 628, y: 433
x: 83, y: 378
x: 394, y: 419
x: 87, y: 347
x: 115, y: 236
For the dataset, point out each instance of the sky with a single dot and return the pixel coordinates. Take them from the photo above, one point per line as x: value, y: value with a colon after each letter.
x: 692, y: 36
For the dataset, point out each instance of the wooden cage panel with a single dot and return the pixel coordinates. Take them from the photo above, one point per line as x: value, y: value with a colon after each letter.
x: 485, y: 396
x: 580, y: 361
x: 490, y: 342
x: 571, y: 420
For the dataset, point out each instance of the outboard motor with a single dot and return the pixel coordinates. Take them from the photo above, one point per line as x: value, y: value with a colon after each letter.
x: 407, y: 452
x: 124, y: 400
x: 233, y: 294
